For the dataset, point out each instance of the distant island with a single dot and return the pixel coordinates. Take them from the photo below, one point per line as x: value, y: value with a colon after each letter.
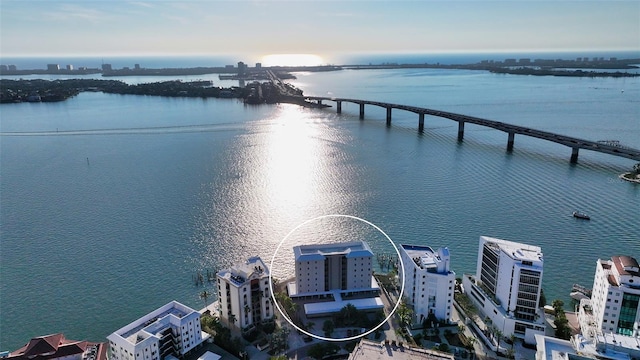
x: 579, y: 67
x: 266, y: 84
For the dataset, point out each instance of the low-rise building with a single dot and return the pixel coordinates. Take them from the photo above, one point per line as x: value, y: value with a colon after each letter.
x: 370, y: 350
x: 56, y: 346
x: 243, y: 293
x: 578, y: 348
x: 429, y: 282
x: 168, y: 332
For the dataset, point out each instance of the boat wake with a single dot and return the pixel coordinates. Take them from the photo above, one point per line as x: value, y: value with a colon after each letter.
x: 139, y: 130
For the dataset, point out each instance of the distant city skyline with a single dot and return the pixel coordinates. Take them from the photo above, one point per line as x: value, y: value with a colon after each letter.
x: 322, y: 30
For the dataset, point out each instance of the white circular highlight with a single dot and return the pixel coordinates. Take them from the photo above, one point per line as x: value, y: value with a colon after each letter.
x: 275, y: 301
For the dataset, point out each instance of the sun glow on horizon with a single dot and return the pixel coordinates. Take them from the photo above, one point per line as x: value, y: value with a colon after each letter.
x: 292, y: 60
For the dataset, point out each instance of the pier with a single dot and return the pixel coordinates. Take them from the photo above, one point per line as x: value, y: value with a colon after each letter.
x: 607, y: 147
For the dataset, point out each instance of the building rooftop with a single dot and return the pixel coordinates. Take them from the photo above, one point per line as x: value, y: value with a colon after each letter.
x: 320, y: 251
x: 154, y: 322
x: 369, y: 350
x: 425, y: 258
x: 517, y: 251
x: 56, y: 346
x: 328, y: 307
x: 590, y: 348
x: 238, y: 274
x: 626, y: 265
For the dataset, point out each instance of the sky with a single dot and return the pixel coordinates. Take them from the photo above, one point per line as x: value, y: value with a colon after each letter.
x: 324, y: 28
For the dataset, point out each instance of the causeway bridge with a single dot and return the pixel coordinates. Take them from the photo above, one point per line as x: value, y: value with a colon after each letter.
x: 607, y: 147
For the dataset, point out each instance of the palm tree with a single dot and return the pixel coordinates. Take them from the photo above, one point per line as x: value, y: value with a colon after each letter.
x: 348, y: 312
x: 498, y: 334
x: 310, y: 325
x: 461, y: 328
x: 405, y: 314
x: 204, y: 296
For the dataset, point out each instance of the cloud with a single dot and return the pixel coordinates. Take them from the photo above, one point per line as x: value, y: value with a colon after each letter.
x: 143, y: 4
x: 69, y: 12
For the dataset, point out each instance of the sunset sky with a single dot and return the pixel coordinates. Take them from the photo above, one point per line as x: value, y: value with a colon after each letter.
x: 325, y: 28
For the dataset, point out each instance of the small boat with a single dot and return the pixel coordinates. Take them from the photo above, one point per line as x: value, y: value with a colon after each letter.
x: 581, y: 215
x: 577, y: 295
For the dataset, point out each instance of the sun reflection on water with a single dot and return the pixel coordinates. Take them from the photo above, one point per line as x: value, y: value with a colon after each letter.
x: 293, y: 162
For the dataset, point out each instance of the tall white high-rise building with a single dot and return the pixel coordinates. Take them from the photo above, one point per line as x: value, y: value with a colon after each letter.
x: 428, y: 283
x: 170, y: 331
x: 506, y: 287
x: 615, y: 298
x: 243, y: 293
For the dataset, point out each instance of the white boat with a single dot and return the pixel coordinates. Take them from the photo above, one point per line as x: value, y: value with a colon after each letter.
x: 577, y: 295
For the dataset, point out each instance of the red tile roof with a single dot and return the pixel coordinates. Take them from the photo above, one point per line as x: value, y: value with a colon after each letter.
x: 626, y: 265
x: 56, y: 346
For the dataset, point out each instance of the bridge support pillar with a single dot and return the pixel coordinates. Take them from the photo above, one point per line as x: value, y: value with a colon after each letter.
x: 460, y: 130
x: 361, y: 111
x: 510, y: 141
x: 319, y: 102
x: 574, y: 155
x: 339, y: 107
x: 421, y: 123
x: 389, y: 116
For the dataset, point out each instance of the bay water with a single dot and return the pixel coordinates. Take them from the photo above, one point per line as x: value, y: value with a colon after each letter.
x: 110, y: 204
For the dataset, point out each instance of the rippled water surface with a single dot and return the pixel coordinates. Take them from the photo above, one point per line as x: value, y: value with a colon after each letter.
x: 110, y: 204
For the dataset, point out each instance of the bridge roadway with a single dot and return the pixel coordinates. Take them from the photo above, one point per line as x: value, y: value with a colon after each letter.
x: 574, y: 143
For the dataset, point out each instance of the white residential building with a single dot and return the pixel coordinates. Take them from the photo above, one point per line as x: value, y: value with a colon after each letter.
x: 243, y: 293
x: 615, y: 298
x: 506, y: 287
x: 326, y: 267
x: 550, y: 348
x: 170, y: 331
x: 610, y: 320
x: 429, y: 283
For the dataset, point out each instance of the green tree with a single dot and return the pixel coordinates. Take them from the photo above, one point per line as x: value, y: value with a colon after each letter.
x: 405, y: 314
x: 543, y: 299
x: 444, y: 347
x: 461, y: 328
x: 348, y: 314
x: 328, y: 327
x: 204, y: 296
x: 310, y: 325
x: 320, y: 350
x: 563, y: 331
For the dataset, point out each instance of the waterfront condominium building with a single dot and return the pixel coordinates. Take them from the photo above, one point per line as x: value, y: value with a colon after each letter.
x: 429, y: 283
x: 615, y: 298
x: 243, y: 293
x: 506, y: 287
x: 326, y: 267
x: 170, y: 331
